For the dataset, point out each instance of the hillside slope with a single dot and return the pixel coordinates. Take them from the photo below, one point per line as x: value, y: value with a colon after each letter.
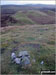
x: 38, y: 40
x: 35, y: 17
x: 28, y: 14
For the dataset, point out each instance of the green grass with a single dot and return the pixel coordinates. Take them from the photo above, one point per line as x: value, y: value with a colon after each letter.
x: 23, y: 18
x: 27, y: 38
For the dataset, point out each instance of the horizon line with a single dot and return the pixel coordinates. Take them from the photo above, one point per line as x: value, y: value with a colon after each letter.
x: 28, y: 4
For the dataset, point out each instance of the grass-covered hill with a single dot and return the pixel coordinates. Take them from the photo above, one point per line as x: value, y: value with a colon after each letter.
x: 35, y: 17
x: 28, y: 28
x: 27, y: 14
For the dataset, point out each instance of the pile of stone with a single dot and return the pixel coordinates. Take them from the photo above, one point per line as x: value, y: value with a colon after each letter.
x: 22, y: 59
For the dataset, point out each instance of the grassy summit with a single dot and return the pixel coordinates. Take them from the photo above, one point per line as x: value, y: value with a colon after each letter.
x: 34, y: 17
x: 38, y: 40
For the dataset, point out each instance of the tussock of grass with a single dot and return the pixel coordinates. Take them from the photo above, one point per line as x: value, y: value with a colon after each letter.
x: 30, y: 38
x: 52, y: 42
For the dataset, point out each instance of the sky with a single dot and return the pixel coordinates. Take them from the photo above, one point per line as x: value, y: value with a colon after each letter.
x: 21, y: 2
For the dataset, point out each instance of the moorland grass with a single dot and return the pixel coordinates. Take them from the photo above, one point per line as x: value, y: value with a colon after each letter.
x: 27, y: 38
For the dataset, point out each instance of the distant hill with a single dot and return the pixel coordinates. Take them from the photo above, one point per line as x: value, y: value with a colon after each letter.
x: 15, y: 8
x: 27, y: 14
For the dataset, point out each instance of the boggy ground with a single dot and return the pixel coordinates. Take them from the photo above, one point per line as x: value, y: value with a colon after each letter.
x: 38, y: 40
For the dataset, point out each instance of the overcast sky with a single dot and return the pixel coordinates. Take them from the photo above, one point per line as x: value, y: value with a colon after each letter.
x: 21, y: 2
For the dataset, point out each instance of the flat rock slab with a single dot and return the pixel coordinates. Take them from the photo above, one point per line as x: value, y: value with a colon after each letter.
x: 23, y: 53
